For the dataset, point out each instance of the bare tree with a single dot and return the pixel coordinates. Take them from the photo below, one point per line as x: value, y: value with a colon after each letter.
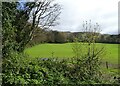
x: 92, y: 33
x: 94, y: 52
x: 87, y: 51
x: 44, y: 14
x: 41, y: 13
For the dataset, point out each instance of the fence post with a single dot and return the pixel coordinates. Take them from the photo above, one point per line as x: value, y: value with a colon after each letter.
x: 106, y: 64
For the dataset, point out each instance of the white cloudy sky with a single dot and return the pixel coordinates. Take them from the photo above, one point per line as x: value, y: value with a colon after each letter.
x: 74, y: 12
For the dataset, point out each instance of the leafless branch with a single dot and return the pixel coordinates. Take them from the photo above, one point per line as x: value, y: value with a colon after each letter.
x: 44, y: 14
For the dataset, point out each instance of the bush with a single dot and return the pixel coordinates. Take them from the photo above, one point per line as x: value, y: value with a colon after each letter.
x: 20, y: 69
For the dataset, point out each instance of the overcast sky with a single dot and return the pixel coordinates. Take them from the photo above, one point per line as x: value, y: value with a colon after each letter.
x: 74, y: 12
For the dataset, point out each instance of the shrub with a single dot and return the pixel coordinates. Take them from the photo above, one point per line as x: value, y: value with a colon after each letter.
x: 20, y: 69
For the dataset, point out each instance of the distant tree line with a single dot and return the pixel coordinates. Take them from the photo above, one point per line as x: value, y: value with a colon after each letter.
x: 106, y: 38
x: 50, y: 36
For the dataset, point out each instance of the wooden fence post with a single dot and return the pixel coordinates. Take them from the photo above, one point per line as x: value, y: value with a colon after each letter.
x: 106, y: 64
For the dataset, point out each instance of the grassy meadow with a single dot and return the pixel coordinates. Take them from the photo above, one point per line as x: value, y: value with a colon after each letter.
x: 65, y: 51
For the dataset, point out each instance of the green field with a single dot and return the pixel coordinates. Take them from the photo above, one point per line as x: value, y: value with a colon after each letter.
x: 65, y: 51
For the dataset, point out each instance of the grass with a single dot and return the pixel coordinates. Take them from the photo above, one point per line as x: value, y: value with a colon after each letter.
x: 65, y: 51
x: 112, y: 53
x: 51, y: 50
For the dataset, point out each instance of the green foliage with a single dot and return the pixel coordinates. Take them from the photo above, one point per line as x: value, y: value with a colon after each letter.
x: 8, y: 32
x: 21, y: 70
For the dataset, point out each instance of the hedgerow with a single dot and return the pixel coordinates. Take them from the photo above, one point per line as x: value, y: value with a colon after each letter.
x: 20, y: 69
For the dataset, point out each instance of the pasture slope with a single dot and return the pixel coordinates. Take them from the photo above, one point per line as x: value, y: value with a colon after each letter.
x: 65, y: 51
